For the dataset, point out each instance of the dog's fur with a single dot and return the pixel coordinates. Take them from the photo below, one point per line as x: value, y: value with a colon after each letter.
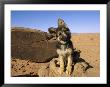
x: 64, y: 46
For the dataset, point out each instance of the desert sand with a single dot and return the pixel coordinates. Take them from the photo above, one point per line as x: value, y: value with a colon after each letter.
x: 87, y: 43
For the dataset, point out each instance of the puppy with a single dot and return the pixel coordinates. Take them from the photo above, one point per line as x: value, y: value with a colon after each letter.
x: 64, y: 47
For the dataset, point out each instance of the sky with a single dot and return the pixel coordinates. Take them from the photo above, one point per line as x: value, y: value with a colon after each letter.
x: 77, y: 21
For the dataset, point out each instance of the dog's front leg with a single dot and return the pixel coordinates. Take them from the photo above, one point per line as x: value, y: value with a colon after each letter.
x: 69, y: 65
x: 61, y: 58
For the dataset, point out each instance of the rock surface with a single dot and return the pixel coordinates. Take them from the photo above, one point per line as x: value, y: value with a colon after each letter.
x: 33, y: 45
x: 50, y: 69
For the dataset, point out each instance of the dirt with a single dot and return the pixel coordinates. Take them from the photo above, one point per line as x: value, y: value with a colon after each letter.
x: 88, y: 64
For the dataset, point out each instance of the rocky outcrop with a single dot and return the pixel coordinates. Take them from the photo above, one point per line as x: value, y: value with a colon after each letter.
x: 79, y: 69
x: 33, y: 45
x: 24, y: 68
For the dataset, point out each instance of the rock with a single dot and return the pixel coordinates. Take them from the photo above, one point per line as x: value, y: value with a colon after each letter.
x: 32, y: 45
x: 43, y: 72
x: 80, y: 69
x: 55, y: 69
x: 24, y: 68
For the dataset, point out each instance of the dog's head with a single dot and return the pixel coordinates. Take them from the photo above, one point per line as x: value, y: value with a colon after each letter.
x: 63, y: 35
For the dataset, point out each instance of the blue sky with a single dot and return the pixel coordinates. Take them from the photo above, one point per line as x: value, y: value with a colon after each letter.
x: 77, y: 21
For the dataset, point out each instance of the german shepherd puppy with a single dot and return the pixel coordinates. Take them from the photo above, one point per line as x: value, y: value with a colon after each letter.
x: 64, y: 46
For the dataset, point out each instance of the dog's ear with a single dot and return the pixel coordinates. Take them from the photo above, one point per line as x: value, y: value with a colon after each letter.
x: 51, y: 30
x: 61, y: 23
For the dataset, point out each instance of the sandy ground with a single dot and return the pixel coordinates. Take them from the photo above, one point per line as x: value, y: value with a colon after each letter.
x: 89, y: 44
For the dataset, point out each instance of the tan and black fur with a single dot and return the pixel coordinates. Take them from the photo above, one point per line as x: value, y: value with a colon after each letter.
x: 64, y: 46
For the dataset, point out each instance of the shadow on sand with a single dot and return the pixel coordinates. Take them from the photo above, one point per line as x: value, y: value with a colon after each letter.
x: 78, y: 59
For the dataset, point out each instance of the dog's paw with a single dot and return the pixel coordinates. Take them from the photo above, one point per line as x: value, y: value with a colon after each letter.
x: 68, y: 70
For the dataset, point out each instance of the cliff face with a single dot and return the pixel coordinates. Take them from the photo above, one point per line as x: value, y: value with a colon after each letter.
x: 33, y: 45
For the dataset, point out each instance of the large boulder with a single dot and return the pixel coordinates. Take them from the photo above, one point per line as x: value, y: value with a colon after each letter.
x: 33, y: 45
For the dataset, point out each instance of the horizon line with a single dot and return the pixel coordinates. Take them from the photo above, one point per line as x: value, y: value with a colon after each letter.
x: 46, y: 31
